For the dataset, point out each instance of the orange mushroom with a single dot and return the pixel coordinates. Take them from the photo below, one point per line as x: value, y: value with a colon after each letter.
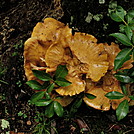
x: 108, y: 84
x: 44, y: 36
x: 54, y: 55
x: 77, y: 86
x: 51, y: 31
x: 34, y: 52
x: 65, y: 101
x: 85, y: 48
x: 90, y: 65
x: 112, y: 51
x: 100, y: 102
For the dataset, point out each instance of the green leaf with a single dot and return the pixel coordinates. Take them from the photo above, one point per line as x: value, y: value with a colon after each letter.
x: 90, y: 96
x: 50, y: 87
x: 46, y: 84
x: 131, y: 13
x: 127, y: 72
x: 122, y: 110
x: 58, y: 109
x: 128, y: 32
x: 118, y: 14
x: 43, y: 102
x: 59, y: 97
x: 124, y: 89
x: 115, y: 17
x: 49, y: 112
x: 133, y: 54
x: 131, y: 97
x: 133, y: 38
x: 4, y: 82
x: 42, y: 75
x: 61, y: 71
x: 34, y: 84
x: 47, y: 96
x: 114, y: 95
x: 122, y: 38
x: 124, y: 78
x: 122, y: 57
x: 37, y: 96
x: 122, y: 28
x: 20, y: 113
x: 76, y: 105
x: 112, y: 4
x: 131, y: 25
x: 132, y: 74
x: 62, y: 82
x: 128, y: 18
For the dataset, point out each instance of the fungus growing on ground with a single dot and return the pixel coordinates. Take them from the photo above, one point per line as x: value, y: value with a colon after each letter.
x: 93, y: 55
x: 33, y: 53
x: 112, y: 51
x: 100, y: 102
x: 51, y: 31
x: 90, y: 65
x: 77, y: 86
x: 64, y: 101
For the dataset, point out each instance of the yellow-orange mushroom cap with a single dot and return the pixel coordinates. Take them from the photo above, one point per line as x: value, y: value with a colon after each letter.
x: 65, y: 101
x: 51, y: 31
x: 112, y: 51
x: 85, y: 48
x: 77, y: 86
x: 34, y: 52
x: 100, y: 102
x: 54, y: 55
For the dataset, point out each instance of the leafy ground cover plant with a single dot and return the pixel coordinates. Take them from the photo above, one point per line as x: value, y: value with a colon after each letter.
x: 43, y: 98
x: 43, y: 125
x: 126, y: 37
x: 44, y: 95
x: 2, y: 71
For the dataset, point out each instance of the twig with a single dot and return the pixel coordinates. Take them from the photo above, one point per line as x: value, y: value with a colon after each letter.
x: 128, y: 131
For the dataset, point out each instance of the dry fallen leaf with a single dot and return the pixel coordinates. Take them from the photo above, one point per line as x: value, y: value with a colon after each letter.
x: 82, y: 125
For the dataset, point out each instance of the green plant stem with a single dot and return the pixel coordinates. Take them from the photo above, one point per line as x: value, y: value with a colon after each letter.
x: 123, y: 20
x: 3, y: 82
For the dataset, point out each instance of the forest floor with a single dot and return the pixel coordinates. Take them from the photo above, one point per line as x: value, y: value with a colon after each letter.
x: 17, y: 19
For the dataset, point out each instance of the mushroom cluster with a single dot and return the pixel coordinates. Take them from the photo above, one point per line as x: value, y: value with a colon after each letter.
x: 90, y: 64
